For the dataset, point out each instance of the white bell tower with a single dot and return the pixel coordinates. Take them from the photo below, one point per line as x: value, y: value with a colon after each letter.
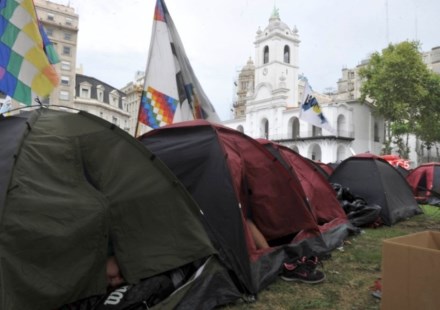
x: 276, y: 65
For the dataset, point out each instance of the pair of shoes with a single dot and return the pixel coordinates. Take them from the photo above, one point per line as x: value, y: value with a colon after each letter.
x: 377, y: 288
x: 303, y: 270
x: 377, y: 294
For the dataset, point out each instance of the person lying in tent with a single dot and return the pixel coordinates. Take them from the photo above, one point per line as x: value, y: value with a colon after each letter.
x: 257, y: 236
x: 113, y: 272
x: 303, y: 269
x: 124, y: 296
x: 114, y: 276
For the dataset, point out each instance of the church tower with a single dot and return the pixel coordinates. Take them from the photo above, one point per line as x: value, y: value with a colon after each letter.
x: 272, y: 103
x: 276, y: 63
x: 275, y: 87
x: 245, y: 85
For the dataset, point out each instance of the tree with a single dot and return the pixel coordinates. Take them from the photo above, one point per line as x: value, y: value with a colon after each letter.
x: 427, y: 120
x: 397, y: 83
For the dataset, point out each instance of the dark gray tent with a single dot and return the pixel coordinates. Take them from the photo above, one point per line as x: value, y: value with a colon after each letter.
x: 375, y: 180
x: 69, y: 183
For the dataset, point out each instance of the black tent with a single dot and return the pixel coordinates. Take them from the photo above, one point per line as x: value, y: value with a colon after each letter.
x: 70, y: 183
x: 375, y: 180
x: 402, y: 170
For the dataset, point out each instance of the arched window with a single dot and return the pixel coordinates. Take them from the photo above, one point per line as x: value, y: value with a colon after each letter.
x: 264, y: 129
x: 341, y: 153
x: 266, y: 55
x: 314, y: 152
x: 294, y: 127
x: 295, y: 148
x: 240, y: 128
x: 316, y: 131
x: 342, y: 126
x: 376, y: 132
x: 286, y: 54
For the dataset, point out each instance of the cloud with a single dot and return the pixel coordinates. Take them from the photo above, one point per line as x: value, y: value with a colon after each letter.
x: 218, y: 36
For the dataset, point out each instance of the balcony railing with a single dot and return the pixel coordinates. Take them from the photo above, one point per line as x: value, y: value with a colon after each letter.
x: 342, y: 135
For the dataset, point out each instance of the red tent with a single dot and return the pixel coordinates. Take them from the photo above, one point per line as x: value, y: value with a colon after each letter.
x: 425, y: 182
x: 396, y: 161
x: 232, y: 177
x: 320, y: 194
x: 326, y: 167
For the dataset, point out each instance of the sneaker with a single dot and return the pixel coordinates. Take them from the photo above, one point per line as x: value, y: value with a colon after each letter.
x: 377, y: 288
x: 303, y: 270
x: 313, y: 262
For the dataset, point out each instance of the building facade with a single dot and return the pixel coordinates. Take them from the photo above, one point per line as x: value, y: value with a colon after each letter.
x: 432, y: 59
x: 76, y: 90
x: 61, y: 25
x: 133, y: 92
x: 100, y: 99
x: 268, y: 105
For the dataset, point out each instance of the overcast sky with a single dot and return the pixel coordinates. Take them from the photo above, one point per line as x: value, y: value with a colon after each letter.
x: 218, y: 36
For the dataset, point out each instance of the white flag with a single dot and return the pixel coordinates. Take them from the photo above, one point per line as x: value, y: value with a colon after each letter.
x: 171, y: 92
x: 311, y: 111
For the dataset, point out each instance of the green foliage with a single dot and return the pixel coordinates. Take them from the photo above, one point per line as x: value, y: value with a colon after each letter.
x: 428, y: 117
x: 394, y: 80
x: 404, y: 91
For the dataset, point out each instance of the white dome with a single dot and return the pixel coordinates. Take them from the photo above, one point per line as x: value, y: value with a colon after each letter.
x: 275, y: 23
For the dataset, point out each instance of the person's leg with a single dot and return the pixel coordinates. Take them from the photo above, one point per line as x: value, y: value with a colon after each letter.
x: 258, y: 237
x: 114, y: 277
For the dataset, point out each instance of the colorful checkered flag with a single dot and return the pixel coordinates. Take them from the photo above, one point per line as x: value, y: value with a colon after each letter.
x: 25, y: 69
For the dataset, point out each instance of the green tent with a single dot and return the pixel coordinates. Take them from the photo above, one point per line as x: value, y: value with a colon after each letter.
x: 70, y: 183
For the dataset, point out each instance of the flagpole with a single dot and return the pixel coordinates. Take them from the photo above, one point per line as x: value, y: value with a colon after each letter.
x: 153, y: 30
x: 137, y: 119
x: 136, y: 131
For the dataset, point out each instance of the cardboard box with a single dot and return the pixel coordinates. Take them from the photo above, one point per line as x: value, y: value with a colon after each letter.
x: 411, y: 272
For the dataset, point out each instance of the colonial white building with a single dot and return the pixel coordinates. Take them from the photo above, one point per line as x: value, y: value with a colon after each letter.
x: 100, y: 99
x: 133, y: 92
x: 269, y: 101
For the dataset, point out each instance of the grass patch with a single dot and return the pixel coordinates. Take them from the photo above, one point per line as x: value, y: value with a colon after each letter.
x: 431, y: 212
x: 350, y: 272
